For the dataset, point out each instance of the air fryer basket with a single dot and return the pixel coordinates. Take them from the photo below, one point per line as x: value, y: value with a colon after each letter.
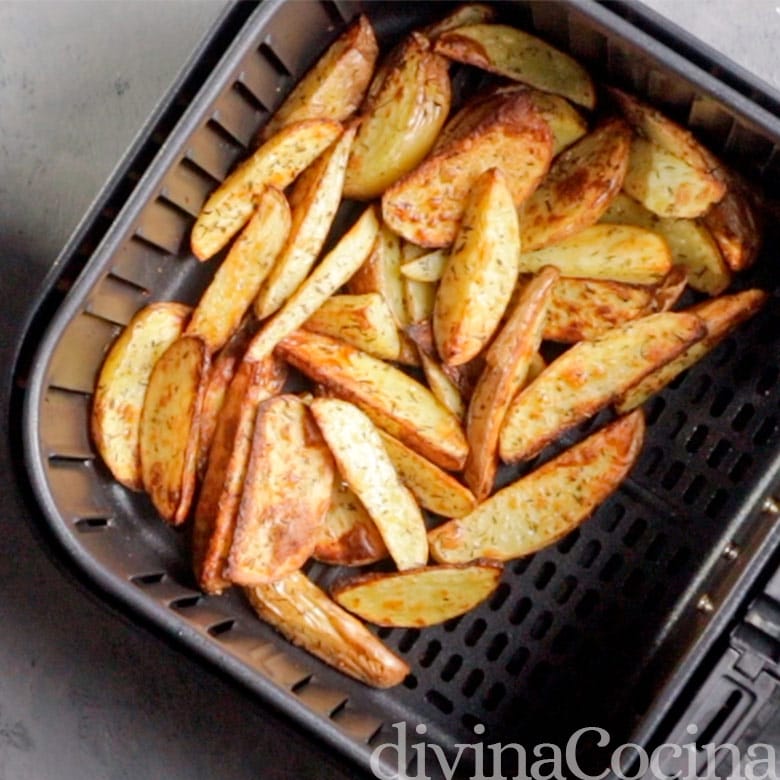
x: 587, y: 632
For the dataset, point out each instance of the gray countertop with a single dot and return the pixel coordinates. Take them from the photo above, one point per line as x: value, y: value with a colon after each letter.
x: 78, y: 78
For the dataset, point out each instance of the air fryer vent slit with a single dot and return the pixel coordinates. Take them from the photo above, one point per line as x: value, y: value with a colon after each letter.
x: 222, y: 627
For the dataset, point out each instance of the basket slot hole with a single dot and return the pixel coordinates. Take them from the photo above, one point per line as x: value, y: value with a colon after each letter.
x: 494, y: 696
x: 589, y: 554
x: 154, y: 578
x: 520, y: 611
x: 741, y: 419
x: 472, y: 683
x: 680, y: 418
x: 541, y: 625
x: 673, y: 474
x: 451, y: 668
x: 694, y: 490
x: 653, y: 458
x: 635, y: 532
x: 451, y: 624
x: 719, y: 453
x: 360, y: 726
x: 92, y: 524
x: 238, y: 115
x: 500, y: 596
x: 519, y: 566
x: 656, y: 547
x: 187, y: 186
x: 609, y: 521
x: 186, y: 602
x: 213, y: 151
x: 221, y: 628
x: 164, y: 226
x: 611, y: 568
x: 703, y: 384
x: 565, y: 589
x: 409, y: 637
x: 518, y: 660
x: 116, y: 300
x: 496, y: 647
x: 546, y: 573
x: 568, y: 541
x: 475, y: 632
x: 719, y: 719
x: 765, y: 431
x: 657, y: 406
x: 301, y: 685
x: 384, y: 632
x: 440, y: 701
x: 410, y: 682
x: 697, y: 438
x: 431, y: 653
x: 721, y: 402
x: 740, y: 469
x: 273, y: 59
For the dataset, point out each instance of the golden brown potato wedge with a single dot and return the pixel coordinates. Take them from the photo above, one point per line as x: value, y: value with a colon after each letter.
x: 720, y: 316
x: 306, y: 616
x: 285, y: 496
x: 520, y: 56
x: 588, y: 308
x: 400, y: 118
x: 335, y: 86
x: 666, y: 184
x: 393, y: 400
x: 364, y: 321
x: 469, y: 13
x: 238, y: 278
x: 220, y: 493
x: 545, y: 505
x: 426, y: 205
x: 119, y: 394
x: 348, y: 537
x: 507, y: 363
x: 690, y: 242
x: 436, y: 490
x: 419, y: 597
x: 366, y: 467
x: 314, y: 200
x: 589, y: 376
x: 621, y: 253
x: 480, y: 273
x: 329, y: 275
x: 426, y: 268
x: 442, y: 385
x: 170, y: 419
x: 419, y: 299
x: 276, y: 163
x: 581, y: 183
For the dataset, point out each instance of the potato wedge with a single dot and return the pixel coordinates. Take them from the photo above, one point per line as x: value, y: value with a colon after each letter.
x: 336, y: 84
x: 277, y: 163
x: 581, y: 183
x: 426, y: 205
x: 329, y: 275
x: 348, y: 537
x: 666, y: 184
x: 480, y: 273
x: 285, y: 496
x: 314, y: 200
x: 238, y: 278
x: 118, y: 401
x: 170, y: 419
x: 419, y: 299
x: 690, y: 242
x: 589, y: 376
x: 435, y: 490
x: 220, y: 493
x: 419, y: 597
x: 442, y: 386
x: 520, y: 56
x: 720, y: 316
x: 545, y: 505
x: 393, y: 400
x: 588, y: 308
x: 426, y: 268
x: 400, y: 118
x: 469, y: 13
x: 507, y: 363
x: 621, y: 253
x: 306, y: 616
x: 364, y: 321
x: 366, y: 467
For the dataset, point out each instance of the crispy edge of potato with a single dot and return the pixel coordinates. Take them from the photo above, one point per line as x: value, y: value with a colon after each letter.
x: 421, y: 597
x: 349, y: 537
x: 442, y: 386
x: 365, y: 465
x: 117, y: 404
x: 545, y: 505
x: 307, y: 617
x: 507, y: 363
x: 425, y: 206
x: 591, y: 375
x: 220, y: 494
x: 520, y: 56
x: 426, y: 268
x: 285, y: 495
x: 314, y: 201
x: 275, y: 164
x: 435, y: 489
x: 335, y: 85
x: 238, y: 279
x: 170, y: 421
x: 480, y: 273
x: 581, y: 183
x: 720, y: 316
x: 393, y: 400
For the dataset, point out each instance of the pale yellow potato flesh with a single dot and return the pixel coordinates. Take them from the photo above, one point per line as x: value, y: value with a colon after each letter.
x: 435, y: 489
x: 365, y: 465
x: 621, y: 253
x: 419, y: 299
x: 394, y: 401
x: 240, y: 275
x: 468, y: 13
x: 507, y: 364
x: 420, y: 597
x: 314, y: 200
x: 442, y: 385
x: 426, y: 268
x: 480, y: 273
x: 169, y: 427
x: 545, y: 505
x: 520, y: 56
x: 310, y: 619
x: 336, y: 84
x: 285, y: 496
x: 591, y: 375
x: 115, y: 420
x: 277, y: 163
